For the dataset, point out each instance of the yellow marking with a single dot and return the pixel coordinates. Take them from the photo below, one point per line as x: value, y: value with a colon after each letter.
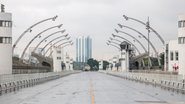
x: 92, y: 93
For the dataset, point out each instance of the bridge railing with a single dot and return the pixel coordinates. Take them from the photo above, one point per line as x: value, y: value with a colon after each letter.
x: 158, y: 77
x: 14, y: 82
x: 175, y: 82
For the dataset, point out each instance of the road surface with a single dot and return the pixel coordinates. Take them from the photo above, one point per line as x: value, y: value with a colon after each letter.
x: 92, y: 88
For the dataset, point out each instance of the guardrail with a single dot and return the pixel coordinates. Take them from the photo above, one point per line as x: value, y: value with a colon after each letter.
x: 174, y: 82
x: 14, y: 82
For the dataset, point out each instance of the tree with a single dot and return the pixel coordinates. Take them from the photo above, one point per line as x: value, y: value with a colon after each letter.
x: 105, y: 64
x: 162, y: 58
x: 94, y: 64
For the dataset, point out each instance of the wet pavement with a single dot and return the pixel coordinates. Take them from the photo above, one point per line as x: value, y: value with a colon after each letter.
x: 92, y: 88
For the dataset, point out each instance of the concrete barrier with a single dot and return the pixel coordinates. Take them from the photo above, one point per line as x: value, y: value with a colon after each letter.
x: 174, y: 82
x: 10, y: 83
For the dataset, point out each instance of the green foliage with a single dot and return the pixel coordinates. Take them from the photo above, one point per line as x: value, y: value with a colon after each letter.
x: 162, y: 58
x: 94, y: 64
x: 105, y: 64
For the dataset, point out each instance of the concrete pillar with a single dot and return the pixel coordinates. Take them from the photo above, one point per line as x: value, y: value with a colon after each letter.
x: 71, y: 64
x: 57, y: 61
x: 110, y: 64
x: 101, y: 65
x: 123, y: 60
x: 127, y: 61
x: 67, y: 62
x: 114, y: 68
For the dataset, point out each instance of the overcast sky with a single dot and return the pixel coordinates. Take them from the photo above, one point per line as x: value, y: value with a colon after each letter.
x: 96, y: 18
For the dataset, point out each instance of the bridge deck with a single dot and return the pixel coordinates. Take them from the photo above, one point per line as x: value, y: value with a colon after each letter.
x: 92, y: 88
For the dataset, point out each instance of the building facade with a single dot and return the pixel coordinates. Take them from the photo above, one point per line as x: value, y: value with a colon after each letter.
x: 175, y: 50
x: 57, y: 60
x: 83, y: 49
x: 5, y: 42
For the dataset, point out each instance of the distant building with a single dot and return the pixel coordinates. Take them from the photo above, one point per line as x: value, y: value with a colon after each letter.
x: 83, y: 49
x: 175, y: 50
x: 5, y: 42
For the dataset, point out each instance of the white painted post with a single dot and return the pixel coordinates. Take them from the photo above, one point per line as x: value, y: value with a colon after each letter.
x: 123, y: 61
x: 101, y: 65
x: 71, y: 64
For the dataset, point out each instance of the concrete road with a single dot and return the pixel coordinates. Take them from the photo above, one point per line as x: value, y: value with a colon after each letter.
x: 92, y: 88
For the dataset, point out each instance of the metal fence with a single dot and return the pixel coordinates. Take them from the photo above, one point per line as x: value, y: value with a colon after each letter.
x: 170, y: 81
x: 14, y: 82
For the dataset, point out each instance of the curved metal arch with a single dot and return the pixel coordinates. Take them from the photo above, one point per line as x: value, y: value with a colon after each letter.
x: 153, y: 47
x: 159, y: 36
x: 56, y: 43
x: 29, y: 29
x: 113, y: 46
x: 51, y: 41
x: 159, y: 62
x: 65, y: 43
x: 131, y: 37
x: 36, y: 37
x: 61, y: 47
x: 62, y: 31
x: 128, y: 42
x: 57, y: 46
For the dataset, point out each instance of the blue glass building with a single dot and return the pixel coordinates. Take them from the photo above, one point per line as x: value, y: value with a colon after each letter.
x: 83, y: 49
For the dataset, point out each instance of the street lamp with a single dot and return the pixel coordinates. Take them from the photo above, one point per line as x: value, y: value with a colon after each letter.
x: 58, y: 26
x: 113, y: 42
x: 128, y: 42
x: 121, y: 26
x: 30, y: 30
x: 109, y: 44
x: 51, y: 42
x: 56, y: 43
x: 159, y: 36
x: 148, y: 28
x: 136, y: 40
x: 61, y: 47
x: 117, y: 31
x: 147, y: 39
x: 70, y: 43
x: 48, y: 37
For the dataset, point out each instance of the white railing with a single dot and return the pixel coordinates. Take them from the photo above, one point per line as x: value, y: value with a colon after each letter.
x: 14, y: 82
x: 175, y: 82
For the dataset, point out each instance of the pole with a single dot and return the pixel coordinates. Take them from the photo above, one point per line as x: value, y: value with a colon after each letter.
x: 30, y: 29
x: 148, y: 28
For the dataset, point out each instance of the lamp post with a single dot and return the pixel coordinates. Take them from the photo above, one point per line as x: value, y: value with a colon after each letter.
x: 51, y: 42
x: 131, y: 37
x: 128, y: 42
x: 148, y: 28
x: 121, y: 26
x: 48, y: 37
x: 30, y: 29
x: 61, y: 47
x: 55, y: 44
x: 113, y: 46
x: 71, y: 42
x: 147, y: 39
x: 159, y: 36
x: 58, y: 26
